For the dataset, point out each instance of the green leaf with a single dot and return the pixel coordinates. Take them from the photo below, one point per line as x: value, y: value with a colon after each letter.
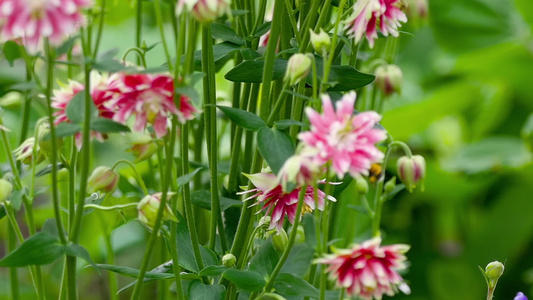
x: 284, y: 124
x: 213, y: 271
x: 292, y: 285
x: 11, y: 51
x: 190, y: 92
x: 265, y: 260
x: 3, y: 211
x: 48, y: 169
x: 134, y: 273
x: 488, y: 154
x: 186, y: 257
x: 66, y: 46
x: 346, y: 78
x: 220, y: 53
x: 40, y: 249
x: 245, y: 119
x: 202, y: 198
x: 275, y: 146
x: 184, y: 179
x: 262, y: 29
x: 299, y: 260
x: 106, y: 62
x: 106, y: 125
x: 79, y: 251
x: 247, y: 280
x: 200, y: 291
x: 16, y: 198
x: 23, y: 86
x: 251, y: 71
x: 64, y: 129
x: 225, y: 33
x: 76, y: 108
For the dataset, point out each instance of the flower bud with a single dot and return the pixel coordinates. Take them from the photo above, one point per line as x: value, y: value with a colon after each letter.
x: 204, y: 10
x: 142, y: 148
x: 417, y: 10
x: 5, y: 189
x: 494, y: 270
x: 361, y: 185
x: 280, y: 240
x: 229, y: 260
x: 520, y: 296
x: 389, y: 79
x: 24, y: 152
x: 103, y: 179
x: 264, y: 221
x: 412, y: 171
x: 298, y: 67
x: 148, y: 208
x: 300, y: 235
x: 321, y: 42
x: 43, y: 138
x: 390, y: 185
x: 299, y: 169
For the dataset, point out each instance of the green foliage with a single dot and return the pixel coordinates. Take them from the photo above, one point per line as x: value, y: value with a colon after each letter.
x: 247, y: 280
x: 245, y: 119
x: 200, y: 291
x: 275, y: 146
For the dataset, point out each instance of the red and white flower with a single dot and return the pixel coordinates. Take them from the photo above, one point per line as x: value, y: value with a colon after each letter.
x: 369, y: 15
x: 32, y: 20
x: 150, y: 98
x: 345, y: 139
x: 279, y: 203
x: 102, y: 92
x: 368, y: 270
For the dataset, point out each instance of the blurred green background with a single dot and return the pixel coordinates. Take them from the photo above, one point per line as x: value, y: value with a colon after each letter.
x: 468, y: 75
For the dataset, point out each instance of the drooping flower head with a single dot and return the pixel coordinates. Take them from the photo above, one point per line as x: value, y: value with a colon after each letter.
x: 367, y: 270
x: 150, y: 98
x: 300, y: 169
x: 277, y: 203
x: 369, y: 15
x: 32, y: 20
x: 345, y: 139
x: 103, y: 93
x: 520, y: 296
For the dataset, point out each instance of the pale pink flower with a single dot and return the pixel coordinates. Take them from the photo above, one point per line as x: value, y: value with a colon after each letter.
x: 300, y: 169
x: 368, y: 270
x: 369, y: 15
x: 278, y: 203
x: 345, y: 139
x: 102, y: 92
x: 33, y: 20
x: 150, y: 98
x: 204, y: 10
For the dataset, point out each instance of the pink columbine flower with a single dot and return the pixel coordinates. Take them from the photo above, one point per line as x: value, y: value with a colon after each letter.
x: 150, y: 98
x: 32, y: 20
x: 275, y: 201
x: 368, y: 15
x: 345, y: 139
x: 102, y: 92
x: 368, y: 270
x: 204, y: 10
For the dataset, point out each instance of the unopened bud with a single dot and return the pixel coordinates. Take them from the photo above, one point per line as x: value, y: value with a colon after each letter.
x: 390, y: 185
x: 361, y: 185
x: 417, y: 10
x: 520, y: 296
x: 300, y: 235
x: 148, y: 208
x: 142, y: 148
x: 24, y: 152
x: 412, y: 171
x: 229, y: 260
x: 321, y: 42
x: 280, y: 240
x: 298, y: 67
x: 43, y: 138
x: 389, y: 79
x: 5, y: 189
x: 103, y: 179
x: 494, y: 270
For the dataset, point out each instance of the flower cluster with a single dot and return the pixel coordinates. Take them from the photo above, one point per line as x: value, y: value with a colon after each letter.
x: 368, y: 269
x: 280, y: 203
x: 118, y: 97
x: 368, y: 15
x: 342, y: 138
x: 32, y: 20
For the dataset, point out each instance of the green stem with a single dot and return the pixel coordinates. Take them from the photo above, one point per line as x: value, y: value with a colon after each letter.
x: 208, y: 67
x: 13, y: 273
x: 72, y: 183
x: 100, y: 30
x: 109, y: 208
x: 159, y: 21
x: 378, y: 200
x: 292, y: 238
x: 138, y: 25
x: 110, y: 256
x: 137, y: 175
